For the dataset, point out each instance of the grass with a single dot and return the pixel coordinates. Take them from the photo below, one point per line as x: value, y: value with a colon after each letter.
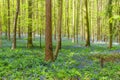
x: 74, y: 62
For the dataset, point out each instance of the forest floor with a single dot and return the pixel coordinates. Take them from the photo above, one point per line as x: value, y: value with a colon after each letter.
x: 75, y: 62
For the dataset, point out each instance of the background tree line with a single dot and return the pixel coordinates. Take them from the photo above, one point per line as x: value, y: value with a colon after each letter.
x: 76, y: 20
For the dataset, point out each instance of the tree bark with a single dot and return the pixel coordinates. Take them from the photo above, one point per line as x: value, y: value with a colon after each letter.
x: 98, y: 21
x: 73, y: 24
x: 110, y: 24
x: 55, y: 21
x: 48, y: 32
x: 68, y: 28
x: 40, y: 36
x: 77, y: 19
x: 59, y: 30
x: 87, y: 24
x: 8, y: 20
x: 29, y: 42
x: 0, y: 34
x: 15, y: 24
x: 19, y: 30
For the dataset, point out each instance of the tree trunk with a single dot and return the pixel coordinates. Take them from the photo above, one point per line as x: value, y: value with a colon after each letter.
x: 55, y: 32
x: 29, y: 42
x: 4, y: 18
x: 68, y: 31
x: 73, y: 24
x: 59, y: 30
x: 19, y: 30
x: 110, y: 24
x: 0, y: 28
x: 92, y: 25
x: 98, y: 21
x: 8, y: 20
x: 0, y: 34
x: 77, y: 19
x: 48, y: 32
x: 87, y: 24
x: 82, y: 18
x: 40, y: 38
x: 15, y: 24
x: 55, y: 20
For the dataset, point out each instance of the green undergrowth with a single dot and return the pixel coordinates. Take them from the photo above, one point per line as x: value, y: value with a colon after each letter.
x: 74, y: 62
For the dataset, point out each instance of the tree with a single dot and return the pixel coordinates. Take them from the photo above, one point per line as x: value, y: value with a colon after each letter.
x: 0, y: 28
x: 19, y: 29
x: 77, y: 19
x: 29, y: 41
x: 0, y: 34
x: 48, y: 32
x: 55, y: 21
x: 73, y: 24
x: 8, y: 20
x: 4, y: 20
x: 98, y: 20
x: 82, y: 23
x: 59, y: 29
x: 87, y: 24
x: 110, y: 23
x: 67, y: 22
x: 15, y: 24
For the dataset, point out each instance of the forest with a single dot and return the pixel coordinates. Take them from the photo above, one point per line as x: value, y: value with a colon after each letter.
x: 59, y: 39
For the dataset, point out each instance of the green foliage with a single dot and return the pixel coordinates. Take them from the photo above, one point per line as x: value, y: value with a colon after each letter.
x: 73, y: 62
x: 114, y: 18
